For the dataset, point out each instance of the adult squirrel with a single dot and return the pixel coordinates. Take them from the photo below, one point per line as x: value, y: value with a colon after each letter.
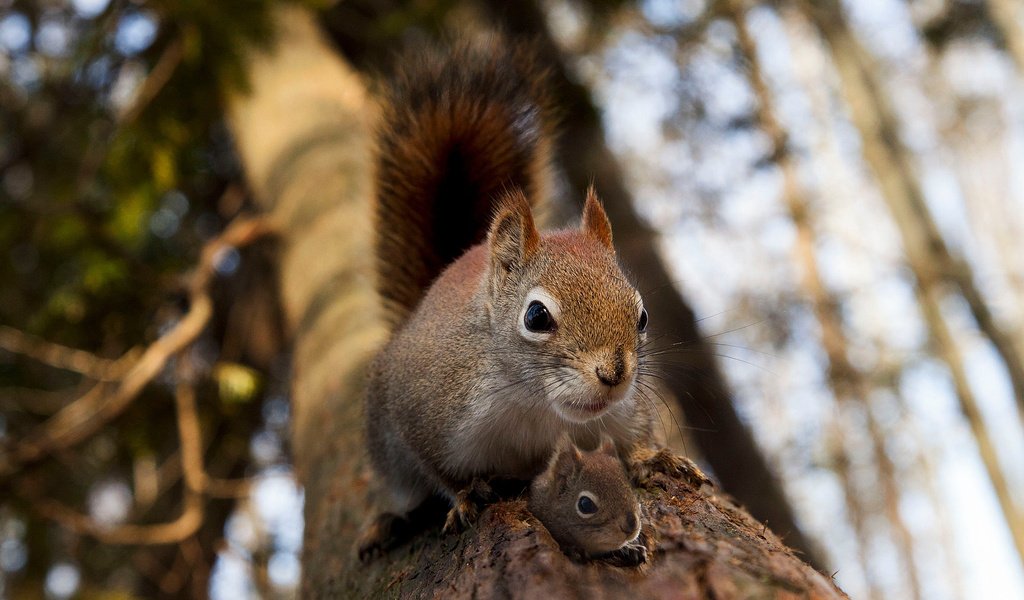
x: 504, y: 338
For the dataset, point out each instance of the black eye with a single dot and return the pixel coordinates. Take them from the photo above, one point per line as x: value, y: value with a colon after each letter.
x: 538, y: 318
x: 586, y: 506
x: 641, y: 325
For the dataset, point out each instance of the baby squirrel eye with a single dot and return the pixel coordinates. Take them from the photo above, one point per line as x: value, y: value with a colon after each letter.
x: 641, y: 325
x: 586, y: 506
x: 538, y: 318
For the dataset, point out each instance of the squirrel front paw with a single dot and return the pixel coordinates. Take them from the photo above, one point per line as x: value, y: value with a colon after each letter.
x: 466, y: 508
x: 629, y: 556
x: 645, y: 463
x: 632, y: 555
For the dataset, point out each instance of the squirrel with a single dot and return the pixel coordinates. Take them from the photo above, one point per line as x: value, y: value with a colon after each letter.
x: 587, y: 503
x: 504, y: 338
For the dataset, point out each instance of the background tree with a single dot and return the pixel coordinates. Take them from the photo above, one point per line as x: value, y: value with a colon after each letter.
x: 827, y: 184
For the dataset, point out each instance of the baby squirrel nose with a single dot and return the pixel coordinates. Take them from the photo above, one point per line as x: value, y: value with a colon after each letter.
x: 629, y: 526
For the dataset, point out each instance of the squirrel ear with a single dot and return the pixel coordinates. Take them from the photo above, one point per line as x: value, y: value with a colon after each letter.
x: 513, y: 237
x: 608, y: 446
x: 567, y: 457
x: 595, y: 220
x: 564, y: 443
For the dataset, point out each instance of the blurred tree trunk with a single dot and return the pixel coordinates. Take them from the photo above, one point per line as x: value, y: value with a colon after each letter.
x: 927, y: 253
x: 1006, y: 16
x: 302, y: 133
x: 849, y: 385
x: 928, y: 256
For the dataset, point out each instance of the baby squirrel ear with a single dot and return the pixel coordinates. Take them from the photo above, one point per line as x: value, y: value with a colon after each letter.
x: 608, y: 446
x: 564, y: 443
x: 595, y: 220
x: 567, y: 457
x: 513, y: 237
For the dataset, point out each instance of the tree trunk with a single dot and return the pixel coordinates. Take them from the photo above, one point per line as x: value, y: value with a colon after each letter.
x: 849, y: 385
x: 302, y: 133
x: 932, y: 263
x: 1006, y: 16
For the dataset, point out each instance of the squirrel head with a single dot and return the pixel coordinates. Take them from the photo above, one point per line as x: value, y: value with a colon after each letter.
x: 585, y: 500
x: 562, y: 311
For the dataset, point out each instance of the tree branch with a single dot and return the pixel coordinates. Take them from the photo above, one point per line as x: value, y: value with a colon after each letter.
x: 57, y: 355
x: 849, y: 384
x: 85, y: 416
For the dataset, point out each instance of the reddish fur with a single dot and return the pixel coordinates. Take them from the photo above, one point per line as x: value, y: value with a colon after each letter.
x: 595, y: 221
x: 457, y: 132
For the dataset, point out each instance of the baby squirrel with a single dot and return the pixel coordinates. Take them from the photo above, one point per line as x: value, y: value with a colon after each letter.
x: 504, y: 337
x: 587, y: 503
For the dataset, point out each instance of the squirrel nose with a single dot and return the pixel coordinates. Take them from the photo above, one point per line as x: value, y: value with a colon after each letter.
x: 611, y: 373
x: 609, y: 379
x: 630, y: 525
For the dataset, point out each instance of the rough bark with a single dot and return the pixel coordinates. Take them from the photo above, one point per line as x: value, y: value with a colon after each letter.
x: 302, y: 135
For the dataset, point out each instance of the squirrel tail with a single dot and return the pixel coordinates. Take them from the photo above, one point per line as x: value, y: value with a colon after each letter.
x: 458, y: 129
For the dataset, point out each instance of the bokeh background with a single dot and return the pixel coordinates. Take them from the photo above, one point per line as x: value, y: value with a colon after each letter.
x: 835, y: 187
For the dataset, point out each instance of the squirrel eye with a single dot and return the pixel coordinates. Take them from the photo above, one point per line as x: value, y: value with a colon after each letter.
x: 538, y: 318
x: 641, y: 325
x: 586, y: 506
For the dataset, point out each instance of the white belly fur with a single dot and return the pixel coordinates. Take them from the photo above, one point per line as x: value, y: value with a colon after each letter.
x: 513, y: 436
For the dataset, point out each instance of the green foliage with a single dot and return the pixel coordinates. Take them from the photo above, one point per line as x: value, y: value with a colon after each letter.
x: 113, y: 161
x: 86, y: 168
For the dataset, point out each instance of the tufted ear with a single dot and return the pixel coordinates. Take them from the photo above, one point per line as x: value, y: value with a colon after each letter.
x: 513, y: 237
x: 567, y: 458
x: 607, y: 446
x: 595, y: 221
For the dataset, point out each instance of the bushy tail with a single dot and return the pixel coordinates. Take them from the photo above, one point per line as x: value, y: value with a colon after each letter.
x: 458, y: 128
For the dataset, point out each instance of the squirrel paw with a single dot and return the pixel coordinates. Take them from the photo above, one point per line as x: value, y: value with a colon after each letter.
x: 384, y: 533
x: 576, y: 555
x: 632, y: 555
x: 648, y: 462
x: 460, y: 517
x: 467, y: 505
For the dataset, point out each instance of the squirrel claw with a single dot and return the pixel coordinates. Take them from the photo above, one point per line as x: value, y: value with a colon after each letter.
x: 665, y: 462
x: 459, y: 518
x: 632, y: 555
x: 467, y: 505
